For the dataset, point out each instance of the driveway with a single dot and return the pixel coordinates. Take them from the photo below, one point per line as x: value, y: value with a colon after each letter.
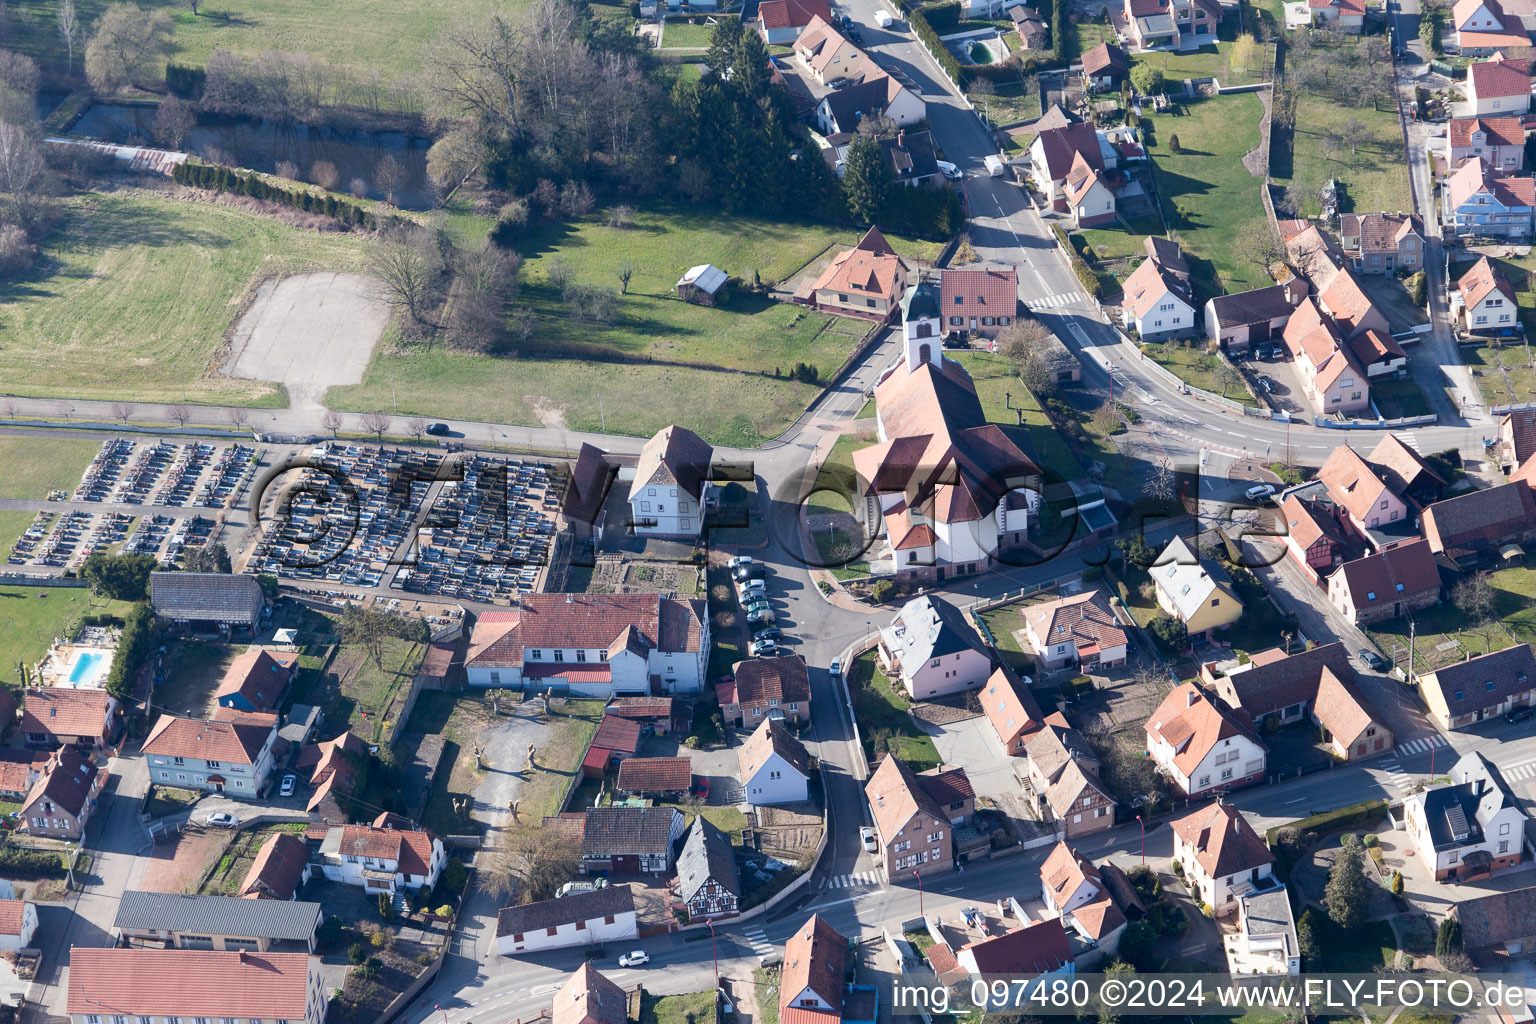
x: 972, y: 743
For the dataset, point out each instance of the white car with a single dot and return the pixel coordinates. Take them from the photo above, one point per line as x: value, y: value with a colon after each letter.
x: 635, y: 959
x: 289, y: 781
x: 764, y: 648
x: 949, y: 170
x: 867, y: 837
x: 219, y: 819
x: 836, y: 668
x: 739, y: 561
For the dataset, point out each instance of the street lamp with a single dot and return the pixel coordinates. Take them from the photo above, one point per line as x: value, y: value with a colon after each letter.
x: 714, y: 952
x: 919, y: 893
x: 1143, y: 840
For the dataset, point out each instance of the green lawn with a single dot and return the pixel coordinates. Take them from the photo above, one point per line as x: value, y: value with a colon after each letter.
x: 1520, y: 271
x: 358, y: 690
x: 842, y: 552
x: 1210, y: 199
x: 30, y: 617
x: 1117, y: 243
x: 36, y: 465
x: 1446, y: 635
x: 1359, y: 951
x: 135, y: 292
x: 679, y: 34
x: 1397, y: 398
x: 995, y: 383
x: 836, y: 477
x: 1207, y: 62
x: 882, y: 713
x: 722, y: 371
x: 1371, y: 170
x: 12, y: 525
x: 1198, y: 368
x: 689, y: 1008
x: 1503, y: 370
x: 1008, y: 103
x: 1091, y: 34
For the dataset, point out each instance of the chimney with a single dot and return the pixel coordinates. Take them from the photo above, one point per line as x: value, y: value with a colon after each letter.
x: 1191, y: 698
x: 242, y: 956
x: 901, y: 139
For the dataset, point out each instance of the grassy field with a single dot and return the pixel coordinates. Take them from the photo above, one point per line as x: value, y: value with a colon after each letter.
x: 1207, y: 62
x: 1091, y: 34
x: 1200, y: 369
x: 681, y: 35
x: 1008, y: 103
x: 1116, y: 243
x: 689, y: 1008
x: 1371, y: 171
x: 722, y: 371
x: 30, y: 617
x: 1397, y: 398
x: 995, y: 381
x: 882, y: 710
x: 358, y: 690
x: 1503, y: 370
x: 1210, y: 199
x: 12, y: 525
x: 1447, y: 635
x: 362, y: 36
x: 36, y: 465
x: 837, y: 475
x: 94, y: 319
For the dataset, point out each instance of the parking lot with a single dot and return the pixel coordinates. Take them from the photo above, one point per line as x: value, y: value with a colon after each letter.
x: 1287, y: 393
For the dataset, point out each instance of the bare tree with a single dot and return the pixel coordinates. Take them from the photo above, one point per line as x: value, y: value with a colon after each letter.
x: 179, y: 412
x: 877, y: 126
x: 358, y: 187
x: 331, y: 421
x: 23, y: 172
x: 1328, y: 146
x: 621, y: 216
x: 287, y: 169
x: 129, y: 44
x: 323, y: 173
x: 1474, y: 597
x: 194, y: 5
x: 65, y: 408
x: 1160, y: 481
x: 417, y: 425
x: 12, y: 407
x: 389, y: 177
x: 529, y: 865
x: 406, y: 259
x: 237, y: 417
x: 1022, y: 340
x: 69, y: 30
x: 1353, y: 129
x: 122, y: 411
x: 485, y: 284
x: 376, y: 423
x: 626, y: 271
x: 1261, y: 247
x: 173, y: 121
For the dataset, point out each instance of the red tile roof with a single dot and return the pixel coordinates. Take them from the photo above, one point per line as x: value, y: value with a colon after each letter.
x: 1011, y: 712
x: 765, y: 682
x: 1192, y: 722
x: 1341, y: 710
x: 813, y: 958
x: 590, y: 621
x: 773, y: 14
x: 1223, y: 841
x: 1497, y: 131
x: 410, y: 849
x: 655, y: 775
x: 188, y: 983
x: 278, y: 868
x: 675, y: 455
x: 1490, y: 78
x: 259, y: 676
x: 1393, y: 574
x: 1036, y: 948
x: 1476, y: 176
x: 869, y: 268
x: 1083, y: 619
x: 1352, y: 481
x: 979, y: 293
x: 895, y: 794
x: 67, y: 780
x: 12, y: 916
x: 65, y: 711
x: 237, y: 740
x: 1481, y: 281
x: 588, y: 997
x: 614, y: 733
x: 1061, y: 146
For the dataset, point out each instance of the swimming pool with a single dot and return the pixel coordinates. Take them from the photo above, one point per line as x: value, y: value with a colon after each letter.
x: 87, y: 665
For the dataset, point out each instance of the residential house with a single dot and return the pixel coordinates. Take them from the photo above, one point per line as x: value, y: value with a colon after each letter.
x: 381, y: 858
x: 864, y: 282
x: 775, y: 768
x: 1172, y: 24
x: 828, y: 56
x: 588, y: 997
x: 56, y: 716
x: 1470, y: 827
x: 616, y: 739
x: 1351, y: 727
x: 1158, y: 302
x: 1243, y: 319
x: 978, y: 301
x: 62, y: 799
x: 1382, y: 243
x: 1517, y: 438
x: 1378, y: 353
x: 1012, y: 709
x: 1310, y: 251
x: 119, y: 986
x: 1064, y: 776
x: 815, y: 957
x: 592, y: 644
x: 1348, y: 16
x: 760, y: 686
x: 708, y: 883
x: 658, y: 715
x: 931, y: 650
x: 781, y: 21
x: 204, y: 601
x: 578, y: 919
x: 842, y: 110
x: 1351, y: 309
x: 230, y: 753
x: 1314, y: 536
x: 581, y: 505
x: 1392, y: 582
x: 1265, y: 941
x: 1483, y: 27
x: 629, y: 840
x: 1105, y: 67
x: 1332, y: 379
x: 1479, y: 688
x: 19, y: 769
x: 187, y: 921
x: 1499, y: 87
x: 1040, y: 951
x: 18, y: 923
x: 911, y: 827
x: 1480, y: 202
x: 1273, y: 684
x: 940, y: 482
x: 1086, y: 195
x: 280, y: 869
x: 1359, y: 491
x: 1498, y: 927
x: 1485, y: 300
x: 1078, y: 632
x: 257, y: 680
x: 1203, y: 746
x: 1076, y: 891
x: 1222, y: 856
x: 1197, y: 593
x: 702, y: 284
x: 913, y: 158
x: 335, y: 766
x: 1031, y: 28
x: 1475, y: 522
x: 671, y: 484
x: 659, y: 777
x: 1405, y: 472
x: 1055, y: 151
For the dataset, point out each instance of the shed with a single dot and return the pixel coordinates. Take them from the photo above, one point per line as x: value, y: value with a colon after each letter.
x: 701, y: 284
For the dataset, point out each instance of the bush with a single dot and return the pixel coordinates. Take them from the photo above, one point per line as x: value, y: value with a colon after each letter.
x: 16, y: 252
x: 445, y: 911
x: 425, y: 958
x: 30, y: 863
x: 881, y: 590
x: 1169, y: 633
x: 1418, y: 287
x: 1085, y: 275
x: 1448, y: 939
x: 357, y: 953
x: 925, y: 32
x: 1371, y: 840
x: 134, y: 647
x: 455, y: 877
x: 386, y: 907
x: 1093, y: 572
x: 1353, y: 814
x: 227, y: 179
x: 186, y: 82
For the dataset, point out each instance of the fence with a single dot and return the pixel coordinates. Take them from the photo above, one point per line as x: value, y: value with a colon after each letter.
x: 1500, y: 410
x: 21, y: 579
x: 1405, y: 421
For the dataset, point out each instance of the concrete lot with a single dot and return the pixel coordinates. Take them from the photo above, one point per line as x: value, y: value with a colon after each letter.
x: 972, y: 743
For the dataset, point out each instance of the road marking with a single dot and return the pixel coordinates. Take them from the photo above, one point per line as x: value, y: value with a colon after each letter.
x: 1057, y: 299
x: 1421, y: 744
x: 1298, y: 800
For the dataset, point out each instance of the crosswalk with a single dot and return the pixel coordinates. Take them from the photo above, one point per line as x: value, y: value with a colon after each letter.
x: 1058, y: 299
x: 1412, y: 442
x: 857, y: 878
x: 1397, y: 777
x: 1519, y: 771
x: 757, y: 940
x: 1421, y: 745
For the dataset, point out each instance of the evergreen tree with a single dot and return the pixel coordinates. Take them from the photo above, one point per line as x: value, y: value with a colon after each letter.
x: 1448, y: 939
x: 1346, y: 894
x: 724, y: 45
x: 867, y: 180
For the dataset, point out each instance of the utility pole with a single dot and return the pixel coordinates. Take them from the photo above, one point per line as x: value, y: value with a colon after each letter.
x: 603, y: 416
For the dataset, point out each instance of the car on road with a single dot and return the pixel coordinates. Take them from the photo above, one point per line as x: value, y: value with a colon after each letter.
x: 738, y: 562
x: 289, y: 781
x: 438, y: 429
x: 1373, y: 661
x: 771, y: 633
x: 1260, y: 492
x: 755, y: 602
x: 748, y: 572
x: 764, y: 648
x: 219, y: 819
x: 753, y: 586
x: 836, y: 668
x: 1267, y: 385
x: 949, y: 170
x: 1519, y: 715
x: 635, y: 958
x: 867, y: 838
x: 854, y: 35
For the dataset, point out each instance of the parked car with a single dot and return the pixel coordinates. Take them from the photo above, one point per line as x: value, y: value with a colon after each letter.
x: 1519, y: 714
x: 836, y: 668
x: 764, y: 648
x: 949, y: 170
x: 1373, y: 661
x: 746, y: 587
x: 748, y: 572
x: 1260, y: 492
x: 738, y: 562
x: 760, y: 618
x: 438, y: 429
x: 219, y: 819
x: 867, y: 837
x: 289, y: 782
x: 854, y: 35
x: 701, y: 788
x: 635, y: 958
x: 771, y: 633
x: 1268, y: 385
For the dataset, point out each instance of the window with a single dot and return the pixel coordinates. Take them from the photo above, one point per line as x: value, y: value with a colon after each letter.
x: 559, y: 655
x: 958, y: 300
x: 551, y: 931
x: 608, y: 919
x: 1226, y: 773
x: 581, y: 926
x: 1457, y: 695
x: 495, y: 678
x: 214, y: 764
x: 178, y: 760
x: 1504, y: 829
x: 956, y: 321
x: 1503, y: 845
x: 534, y: 654
x: 1205, y: 780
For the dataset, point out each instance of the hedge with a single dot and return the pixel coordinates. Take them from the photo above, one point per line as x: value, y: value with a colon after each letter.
x: 1328, y: 820
x: 134, y: 647
x: 1085, y: 275
x: 930, y: 39
x: 186, y: 82
x: 227, y: 179
x: 30, y: 863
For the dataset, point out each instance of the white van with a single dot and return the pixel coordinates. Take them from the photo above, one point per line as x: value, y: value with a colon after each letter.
x: 884, y: 19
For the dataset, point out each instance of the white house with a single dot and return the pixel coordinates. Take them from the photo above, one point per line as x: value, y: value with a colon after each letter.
x: 1469, y: 828
x: 1079, y: 631
x: 775, y: 768
x: 1485, y: 298
x: 379, y: 857
x: 579, y: 919
x: 669, y: 491
x: 1222, y: 856
x: 1498, y: 87
x: 1265, y: 941
x: 932, y: 651
x: 18, y: 921
x: 842, y: 109
x: 1158, y: 301
x: 597, y: 645
x: 230, y: 753
x: 1197, y: 593
x: 1076, y: 891
x: 1201, y: 745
